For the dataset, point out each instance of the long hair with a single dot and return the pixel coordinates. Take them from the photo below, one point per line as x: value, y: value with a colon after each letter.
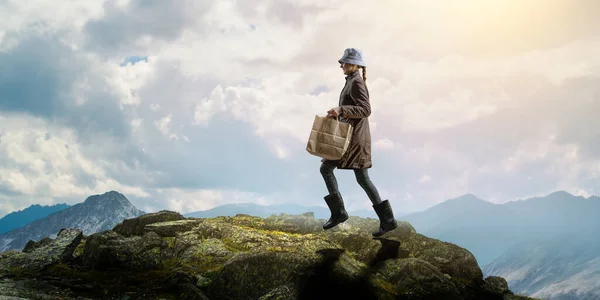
x: 364, y: 73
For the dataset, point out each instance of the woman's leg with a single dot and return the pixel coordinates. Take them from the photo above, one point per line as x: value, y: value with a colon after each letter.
x: 362, y: 177
x: 327, y: 167
x: 383, y: 209
x: 334, y: 199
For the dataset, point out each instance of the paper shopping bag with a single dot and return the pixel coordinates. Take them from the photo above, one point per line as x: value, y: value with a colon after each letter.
x: 329, y: 138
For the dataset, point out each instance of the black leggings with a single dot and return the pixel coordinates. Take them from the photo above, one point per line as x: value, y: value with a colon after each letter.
x: 362, y: 177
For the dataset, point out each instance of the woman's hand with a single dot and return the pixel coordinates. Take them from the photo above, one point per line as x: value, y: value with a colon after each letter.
x: 334, y: 112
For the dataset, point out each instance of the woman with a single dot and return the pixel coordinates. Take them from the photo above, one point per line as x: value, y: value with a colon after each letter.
x: 354, y: 108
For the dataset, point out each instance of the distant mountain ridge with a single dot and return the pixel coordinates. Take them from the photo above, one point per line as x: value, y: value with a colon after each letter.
x: 96, y: 213
x: 560, y: 268
x: 488, y: 229
x: 541, y: 245
x: 264, y: 211
x: 23, y: 217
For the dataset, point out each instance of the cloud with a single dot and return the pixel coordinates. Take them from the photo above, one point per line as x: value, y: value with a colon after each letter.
x: 59, y: 84
x: 425, y: 178
x: 42, y: 160
x: 214, y: 103
x: 383, y: 144
x: 133, y: 24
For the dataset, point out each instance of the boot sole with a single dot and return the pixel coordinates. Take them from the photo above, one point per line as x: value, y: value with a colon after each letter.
x: 386, y: 230
x: 338, y: 222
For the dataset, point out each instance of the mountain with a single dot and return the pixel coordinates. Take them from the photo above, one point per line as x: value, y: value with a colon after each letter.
x: 560, y: 208
x: 96, y: 213
x: 257, y: 210
x: 486, y: 229
x: 489, y: 229
x: 23, y: 217
x: 544, y: 246
x: 264, y: 211
x: 166, y: 256
x: 366, y: 213
x: 441, y: 214
x: 564, y: 267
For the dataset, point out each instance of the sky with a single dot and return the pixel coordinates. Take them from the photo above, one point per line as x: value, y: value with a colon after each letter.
x: 189, y: 104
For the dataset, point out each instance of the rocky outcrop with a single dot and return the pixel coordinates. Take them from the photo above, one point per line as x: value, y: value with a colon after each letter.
x: 97, y: 213
x: 36, y: 256
x: 136, y: 226
x: 164, y: 255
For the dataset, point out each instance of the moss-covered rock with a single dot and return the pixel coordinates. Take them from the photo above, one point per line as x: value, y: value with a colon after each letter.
x: 496, y: 285
x: 284, y: 292
x: 166, y: 256
x: 136, y: 226
x: 417, y: 279
x: 451, y: 259
x: 25, y: 289
x: 203, y: 257
x: 32, y: 245
x: 40, y: 255
x: 250, y: 275
x: 171, y: 228
x: 111, y: 250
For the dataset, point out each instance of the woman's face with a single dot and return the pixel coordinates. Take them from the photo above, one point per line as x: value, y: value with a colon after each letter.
x: 348, y: 68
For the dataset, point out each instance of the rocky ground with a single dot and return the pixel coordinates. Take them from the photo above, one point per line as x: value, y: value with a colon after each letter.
x: 166, y: 256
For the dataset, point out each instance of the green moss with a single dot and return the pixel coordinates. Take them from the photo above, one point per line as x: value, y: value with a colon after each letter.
x: 197, y: 264
x: 273, y: 232
x: 462, y: 282
x: 168, y: 264
x: 212, y: 273
x: 384, y: 285
x: 170, y: 242
x: 268, y: 270
x: 19, y: 272
x: 80, y: 248
x: 64, y: 270
x: 233, y: 246
x: 277, y: 249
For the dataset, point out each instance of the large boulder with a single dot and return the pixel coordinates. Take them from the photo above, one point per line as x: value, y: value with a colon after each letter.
x: 268, y: 271
x: 136, y: 226
x: 111, y: 250
x: 451, y: 259
x: 496, y: 285
x: 418, y: 279
x: 172, y: 228
x: 244, y: 257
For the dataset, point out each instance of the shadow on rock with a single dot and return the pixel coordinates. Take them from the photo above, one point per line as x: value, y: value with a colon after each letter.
x: 390, y: 249
x: 324, y: 281
x: 327, y: 280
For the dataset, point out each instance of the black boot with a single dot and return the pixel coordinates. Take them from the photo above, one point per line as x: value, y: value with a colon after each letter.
x: 387, y: 221
x: 338, y: 212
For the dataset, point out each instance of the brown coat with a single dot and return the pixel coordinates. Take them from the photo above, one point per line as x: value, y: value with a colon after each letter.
x: 355, y: 109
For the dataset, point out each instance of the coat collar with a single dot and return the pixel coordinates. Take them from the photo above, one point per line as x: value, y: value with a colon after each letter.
x: 353, y: 74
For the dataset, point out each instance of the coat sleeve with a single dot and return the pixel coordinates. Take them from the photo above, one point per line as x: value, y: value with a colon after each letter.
x: 360, y: 95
